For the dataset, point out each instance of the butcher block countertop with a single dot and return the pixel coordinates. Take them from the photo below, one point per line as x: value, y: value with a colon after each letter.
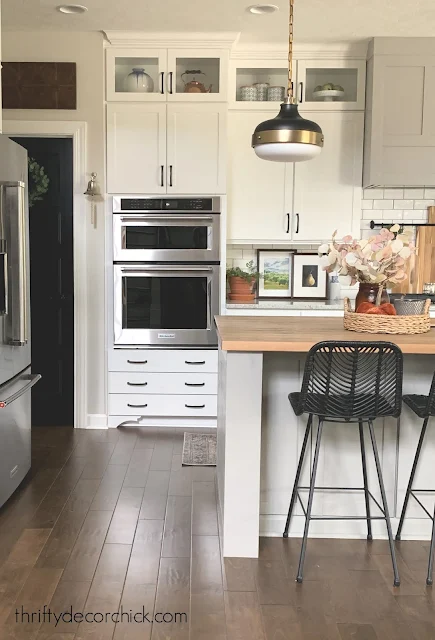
x: 299, y: 334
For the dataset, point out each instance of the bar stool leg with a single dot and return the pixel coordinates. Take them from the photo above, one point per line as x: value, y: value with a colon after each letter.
x: 366, y: 486
x: 429, y: 579
x: 310, y: 501
x: 411, y: 478
x: 298, y: 475
x: 385, y: 505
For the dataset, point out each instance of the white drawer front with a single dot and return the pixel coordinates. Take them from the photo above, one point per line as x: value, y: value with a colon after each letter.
x: 164, y: 360
x: 163, y: 383
x: 161, y: 405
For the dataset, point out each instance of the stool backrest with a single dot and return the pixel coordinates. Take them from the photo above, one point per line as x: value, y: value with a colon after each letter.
x: 431, y: 399
x: 353, y: 380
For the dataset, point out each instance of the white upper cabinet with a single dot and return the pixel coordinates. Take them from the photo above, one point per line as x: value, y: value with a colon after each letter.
x: 301, y: 202
x: 327, y: 191
x: 196, y: 149
x: 136, y: 148
x: 173, y: 75
x: 331, y: 85
x: 400, y: 125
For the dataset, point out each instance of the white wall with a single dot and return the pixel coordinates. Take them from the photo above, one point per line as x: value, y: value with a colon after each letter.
x: 86, y: 50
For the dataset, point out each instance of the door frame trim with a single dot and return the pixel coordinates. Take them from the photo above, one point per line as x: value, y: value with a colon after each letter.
x: 78, y: 132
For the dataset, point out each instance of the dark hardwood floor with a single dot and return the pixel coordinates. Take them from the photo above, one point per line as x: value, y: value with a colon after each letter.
x: 110, y: 519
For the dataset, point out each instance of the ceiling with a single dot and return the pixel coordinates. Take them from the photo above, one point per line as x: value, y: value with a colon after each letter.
x: 315, y: 20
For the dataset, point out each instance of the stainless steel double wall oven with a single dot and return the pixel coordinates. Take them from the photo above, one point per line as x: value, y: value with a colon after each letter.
x: 166, y: 270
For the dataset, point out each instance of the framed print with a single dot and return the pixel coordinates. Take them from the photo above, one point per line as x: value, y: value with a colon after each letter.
x: 275, y: 268
x: 309, y: 278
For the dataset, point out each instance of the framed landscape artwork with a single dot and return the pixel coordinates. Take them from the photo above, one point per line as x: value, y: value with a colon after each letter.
x: 275, y: 268
x: 309, y: 278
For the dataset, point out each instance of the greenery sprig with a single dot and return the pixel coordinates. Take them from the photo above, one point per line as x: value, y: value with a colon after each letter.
x: 38, y: 181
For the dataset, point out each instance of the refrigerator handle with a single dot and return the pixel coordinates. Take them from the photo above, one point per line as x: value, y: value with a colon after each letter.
x: 17, y: 247
x: 32, y: 379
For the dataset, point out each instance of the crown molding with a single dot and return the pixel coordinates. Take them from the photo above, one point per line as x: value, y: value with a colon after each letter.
x: 301, y: 51
x: 167, y: 40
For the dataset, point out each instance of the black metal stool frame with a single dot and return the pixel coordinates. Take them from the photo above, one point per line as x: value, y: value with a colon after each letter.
x: 319, y: 397
x: 423, y: 407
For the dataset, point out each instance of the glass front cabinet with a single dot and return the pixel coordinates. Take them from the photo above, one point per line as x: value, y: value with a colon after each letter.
x: 184, y: 75
x: 319, y: 85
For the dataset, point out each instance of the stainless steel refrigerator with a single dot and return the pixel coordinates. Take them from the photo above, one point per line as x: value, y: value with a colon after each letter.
x: 16, y: 378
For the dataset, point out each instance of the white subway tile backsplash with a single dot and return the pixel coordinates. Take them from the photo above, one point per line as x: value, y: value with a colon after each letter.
x: 404, y: 204
x: 429, y: 193
x: 423, y: 204
x: 389, y: 214
x: 413, y: 194
x: 409, y: 215
x: 382, y: 204
x: 367, y: 204
x: 373, y: 194
x: 419, y: 215
x: 367, y: 214
x: 234, y: 253
x: 249, y: 254
x: 394, y: 194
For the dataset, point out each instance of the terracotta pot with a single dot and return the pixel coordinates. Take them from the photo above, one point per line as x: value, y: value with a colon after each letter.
x: 241, y: 290
x: 367, y: 293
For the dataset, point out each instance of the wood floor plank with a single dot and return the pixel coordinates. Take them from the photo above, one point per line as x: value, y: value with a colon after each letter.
x: 239, y: 574
x: 110, y: 488
x: 125, y: 516
x: 357, y: 632
x: 145, y: 555
x: 18, y: 566
x: 155, y: 496
x: 180, y: 482
x: 69, y: 598
x: 57, y: 550
x: 273, y: 584
x: 243, y: 616
x: 204, y: 509
x: 207, y: 608
x: 123, y: 451
x: 86, y: 552
x: 281, y: 621
x: 137, y: 472
x: 177, y: 534
x: 173, y: 596
x: 140, y: 599
x: 161, y: 459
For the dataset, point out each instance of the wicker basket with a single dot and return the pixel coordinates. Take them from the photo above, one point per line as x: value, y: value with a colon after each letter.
x: 371, y: 323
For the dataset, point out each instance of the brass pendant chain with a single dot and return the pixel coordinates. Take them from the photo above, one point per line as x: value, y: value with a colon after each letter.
x: 290, y: 53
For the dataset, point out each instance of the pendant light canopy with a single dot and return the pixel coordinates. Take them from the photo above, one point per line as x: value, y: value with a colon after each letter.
x: 288, y: 137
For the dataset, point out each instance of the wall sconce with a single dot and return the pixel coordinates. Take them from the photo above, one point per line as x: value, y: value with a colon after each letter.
x: 93, y: 193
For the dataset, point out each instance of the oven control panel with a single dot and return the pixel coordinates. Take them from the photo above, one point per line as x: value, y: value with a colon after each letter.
x: 162, y: 205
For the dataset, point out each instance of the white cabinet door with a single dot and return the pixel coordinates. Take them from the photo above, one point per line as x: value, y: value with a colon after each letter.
x: 136, y: 148
x: 196, y: 148
x: 210, y: 70
x: 348, y: 75
x: 327, y: 190
x: 259, y: 192
x: 130, y: 70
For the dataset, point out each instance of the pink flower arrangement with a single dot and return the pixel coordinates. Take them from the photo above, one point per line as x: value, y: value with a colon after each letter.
x: 380, y: 259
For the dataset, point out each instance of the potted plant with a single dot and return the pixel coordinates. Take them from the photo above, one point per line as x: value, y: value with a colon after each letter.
x: 242, y: 282
x: 375, y: 262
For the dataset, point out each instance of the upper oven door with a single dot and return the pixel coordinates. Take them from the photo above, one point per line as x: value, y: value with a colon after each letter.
x: 166, y: 237
x: 165, y: 305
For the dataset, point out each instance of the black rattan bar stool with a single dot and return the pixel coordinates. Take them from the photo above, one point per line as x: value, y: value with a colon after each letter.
x: 423, y: 407
x: 350, y: 382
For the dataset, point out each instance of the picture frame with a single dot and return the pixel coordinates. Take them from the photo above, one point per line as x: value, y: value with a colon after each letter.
x: 310, y: 281
x: 275, y: 268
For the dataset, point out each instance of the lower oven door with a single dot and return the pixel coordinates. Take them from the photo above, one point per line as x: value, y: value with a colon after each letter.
x: 165, y: 305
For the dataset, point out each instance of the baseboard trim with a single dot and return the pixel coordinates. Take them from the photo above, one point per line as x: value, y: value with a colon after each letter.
x: 116, y: 421
x: 96, y: 421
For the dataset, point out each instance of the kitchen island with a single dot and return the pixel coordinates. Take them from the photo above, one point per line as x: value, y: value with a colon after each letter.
x: 261, y: 360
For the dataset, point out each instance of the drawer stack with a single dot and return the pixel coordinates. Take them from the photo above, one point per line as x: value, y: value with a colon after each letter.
x: 162, y: 383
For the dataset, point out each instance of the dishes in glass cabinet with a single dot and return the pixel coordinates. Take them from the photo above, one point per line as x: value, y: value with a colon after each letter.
x: 248, y: 93
x: 138, y: 81
x: 328, y: 92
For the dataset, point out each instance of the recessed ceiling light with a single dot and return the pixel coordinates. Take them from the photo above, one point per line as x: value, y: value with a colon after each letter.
x: 262, y: 9
x: 72, y: 8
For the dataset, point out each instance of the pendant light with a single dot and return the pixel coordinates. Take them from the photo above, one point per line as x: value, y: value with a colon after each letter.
x: 288, y: 137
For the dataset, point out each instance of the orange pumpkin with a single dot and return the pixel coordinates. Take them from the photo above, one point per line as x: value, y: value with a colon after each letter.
x: 377, y: 311
x: 364, y: 307
x: 389, y: 309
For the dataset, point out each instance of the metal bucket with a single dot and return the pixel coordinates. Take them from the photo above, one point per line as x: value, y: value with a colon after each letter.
x: 409, y: 307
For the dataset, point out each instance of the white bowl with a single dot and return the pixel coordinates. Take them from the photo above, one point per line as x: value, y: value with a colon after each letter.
x: 328, y: 95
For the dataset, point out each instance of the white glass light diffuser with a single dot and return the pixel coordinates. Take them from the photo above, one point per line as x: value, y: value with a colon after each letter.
x: 287, y: 151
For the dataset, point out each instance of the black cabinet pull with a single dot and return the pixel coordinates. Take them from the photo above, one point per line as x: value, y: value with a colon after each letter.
x: 288, y: 223
x: 171, y: 82
x: 162, y: 175
x: 137, y: 406
x: 137, y: 361
x: 191, y: 362
x: 194, y: 384
x: 301, y: 92
x: 170, y: 175
x: 137, y: 384
x: 297, y: 223
x: 195, y: 406
x: 162, y: 86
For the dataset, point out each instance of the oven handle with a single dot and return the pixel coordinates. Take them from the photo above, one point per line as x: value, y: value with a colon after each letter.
x: 161, y: 218
x: 165, y: 268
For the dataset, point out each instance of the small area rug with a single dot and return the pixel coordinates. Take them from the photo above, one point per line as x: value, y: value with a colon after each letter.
x: 199, y: 449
